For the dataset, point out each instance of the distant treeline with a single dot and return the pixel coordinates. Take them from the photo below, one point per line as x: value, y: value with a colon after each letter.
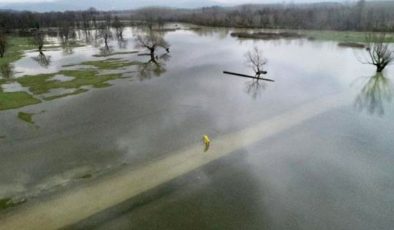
x: 24, y: 20
x: 357, y: 16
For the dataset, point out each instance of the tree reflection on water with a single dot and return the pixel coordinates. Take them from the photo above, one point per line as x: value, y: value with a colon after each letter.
x: 376, y: 92
x: 42, y: 59
x: 153, y: 67
x: 255, y: 87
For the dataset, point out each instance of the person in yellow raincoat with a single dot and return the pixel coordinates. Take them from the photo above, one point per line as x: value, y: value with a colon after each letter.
x: 206, y: 141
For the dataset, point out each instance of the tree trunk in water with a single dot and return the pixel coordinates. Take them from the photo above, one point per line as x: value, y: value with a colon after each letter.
x: 152, y: 54
x: 379, y: 68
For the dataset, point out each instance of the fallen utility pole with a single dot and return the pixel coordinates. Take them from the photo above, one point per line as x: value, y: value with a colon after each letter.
x: 248, y: 76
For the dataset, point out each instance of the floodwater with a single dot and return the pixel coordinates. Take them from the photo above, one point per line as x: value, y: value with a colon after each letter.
x: 332, y: 170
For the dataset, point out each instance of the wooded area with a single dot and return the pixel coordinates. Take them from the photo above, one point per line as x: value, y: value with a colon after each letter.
x: 357, y: 16
x: 360, y: 16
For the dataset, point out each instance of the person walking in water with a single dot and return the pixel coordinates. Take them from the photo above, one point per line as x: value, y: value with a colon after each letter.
x: 206, y: 141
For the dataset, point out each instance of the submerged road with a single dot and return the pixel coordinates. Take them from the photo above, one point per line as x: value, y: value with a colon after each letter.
x: 78, y: 204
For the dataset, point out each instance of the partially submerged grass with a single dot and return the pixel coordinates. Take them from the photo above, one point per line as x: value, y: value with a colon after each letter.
x: 40, y: 84
x: 85, y: 78
x: 115, y: 53
x: 78, y: 91
x: 267, y: 35
x: 324, y: 35
x: 342, y: 36
x: 27, y: 117
x: 165, y: 29
x: 43, y: 83
x: 351, y: 44
x: 15, y: 48
x: 110, y: 63
x: 14, y: 100
x: 9, y: 203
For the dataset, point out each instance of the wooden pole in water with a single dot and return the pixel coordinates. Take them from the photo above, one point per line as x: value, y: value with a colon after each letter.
x: 248, y: 76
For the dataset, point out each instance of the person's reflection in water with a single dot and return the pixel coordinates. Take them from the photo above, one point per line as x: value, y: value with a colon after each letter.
x: 255, y: 87
x: 42, y: 59
x: 374, y: 94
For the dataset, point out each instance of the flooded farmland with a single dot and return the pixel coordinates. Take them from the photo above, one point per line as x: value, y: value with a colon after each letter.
x: 115, y: 140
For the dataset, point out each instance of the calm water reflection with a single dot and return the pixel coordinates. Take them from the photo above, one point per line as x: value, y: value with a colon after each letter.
x: 42, y: 59
x: 331, y: 172
x: 375, y: 95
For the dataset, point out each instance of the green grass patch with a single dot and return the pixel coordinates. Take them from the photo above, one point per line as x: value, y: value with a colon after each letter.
x: 14, y: 100
x: 9, y: 203
x: 78, y: 91
x: 27, y: 117
x: 115, y: 53
x: 110, y: 64
x: 40, y: 84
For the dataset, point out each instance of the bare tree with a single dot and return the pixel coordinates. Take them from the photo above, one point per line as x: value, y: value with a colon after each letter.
x: 38, y: 39
x: 152, y: 41
x: 66, y: 31
x: 119, y: 27
x: 379, y: 53
x: 105, y: 33
x: 3, y: 44
x: 256, y: 61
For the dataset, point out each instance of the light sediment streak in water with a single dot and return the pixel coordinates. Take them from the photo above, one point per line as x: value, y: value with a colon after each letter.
x: 78, y: 204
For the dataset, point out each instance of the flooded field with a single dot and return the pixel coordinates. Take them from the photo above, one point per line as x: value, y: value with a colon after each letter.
x: 114, y: 140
